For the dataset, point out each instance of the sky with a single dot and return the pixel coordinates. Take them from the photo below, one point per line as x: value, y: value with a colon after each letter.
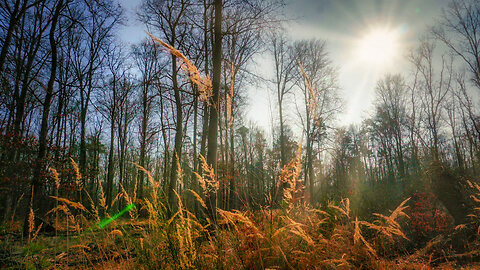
x: 345, y: 23
x: 347, y: 26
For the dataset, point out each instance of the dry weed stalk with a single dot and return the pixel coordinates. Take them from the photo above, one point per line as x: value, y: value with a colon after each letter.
x: 234, y: 217
x: 60, y: 208
x: 357, y: 236
x: 155, y: 185
x: 207, y: 180
x: 203, y: 83
x: 187, y: 229
x: 388, y: 226
x: 344, y: 207
x: 75, y: 205
x: 116, y: 233
x: 55, y: 177
x: 312, y: 100
x: 31, y: 218
x: 289, y: 178
x: 37, y: 231
x: 296, y: 229
x: 31, y: 223
x: 102, y: 199
x: 78, y: 175
x: 199, y: 199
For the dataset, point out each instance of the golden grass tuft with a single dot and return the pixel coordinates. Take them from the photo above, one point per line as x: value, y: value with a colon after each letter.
x: 31, y: 223
x: 344, y: 207
x: 117, y: 233
x: 290, y: 179
x: 78, y: 175
x: 56, y: 178
x: 75, y: 205
x: 207, y: 180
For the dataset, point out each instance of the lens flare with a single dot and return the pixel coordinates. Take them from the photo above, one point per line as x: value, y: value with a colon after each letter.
x: 105, y: 222
x: 378, y: 48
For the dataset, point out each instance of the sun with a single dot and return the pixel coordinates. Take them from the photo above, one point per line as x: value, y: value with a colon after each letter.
x: 378, y: 48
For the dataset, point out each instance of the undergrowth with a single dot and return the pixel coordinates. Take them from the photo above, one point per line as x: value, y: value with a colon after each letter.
x: 294, y: 236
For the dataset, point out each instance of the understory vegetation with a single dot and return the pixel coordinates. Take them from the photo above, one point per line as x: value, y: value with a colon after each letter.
x: 293, y: 236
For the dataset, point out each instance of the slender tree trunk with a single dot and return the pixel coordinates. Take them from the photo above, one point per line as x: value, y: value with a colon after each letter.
x: 17, y: 13
x: 232, y: 191
x: 177, y: 150
x: 203, y: 139
x: 20, y: 110
x: 195, y: 157
x: 123, y: 153
x: 110, y: 169
x: 213, y: 125
x: 42, y: 149
x: 310, y: 169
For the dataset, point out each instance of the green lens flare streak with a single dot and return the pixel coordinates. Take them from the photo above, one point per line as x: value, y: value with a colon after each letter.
x: 105, y: 222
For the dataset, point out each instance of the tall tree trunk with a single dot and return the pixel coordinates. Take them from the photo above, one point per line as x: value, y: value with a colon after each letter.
x: 203, y: 139
x: 143, y: 143
x: 42, y: 141
x: 83, y: 122
x: 123, y: 128
x: 110, y: 169
x: 232, y: 191
x: 17, y: 13
x: 310, y: 169
x: 283, y: 160
x: 213, y: 125
x: 177, y: 149
x: 195, y: 143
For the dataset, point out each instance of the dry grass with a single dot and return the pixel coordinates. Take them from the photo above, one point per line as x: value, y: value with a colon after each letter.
x: 295, y: 236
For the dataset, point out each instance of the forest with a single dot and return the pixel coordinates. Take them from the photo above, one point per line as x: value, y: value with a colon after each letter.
x: 141, y: 156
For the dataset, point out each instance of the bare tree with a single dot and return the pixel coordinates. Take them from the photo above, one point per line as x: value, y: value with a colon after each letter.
x: 319, y: 91
x: 434, y: 86
x: 110, y: 102
x: 97, y: 21
x: 169, y: 19
x: 389, y: 122
x: 284, y: 81
x: 147, y: 60
x: 13, y: 12
x: 42, y: 149
x: 460, y: 31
